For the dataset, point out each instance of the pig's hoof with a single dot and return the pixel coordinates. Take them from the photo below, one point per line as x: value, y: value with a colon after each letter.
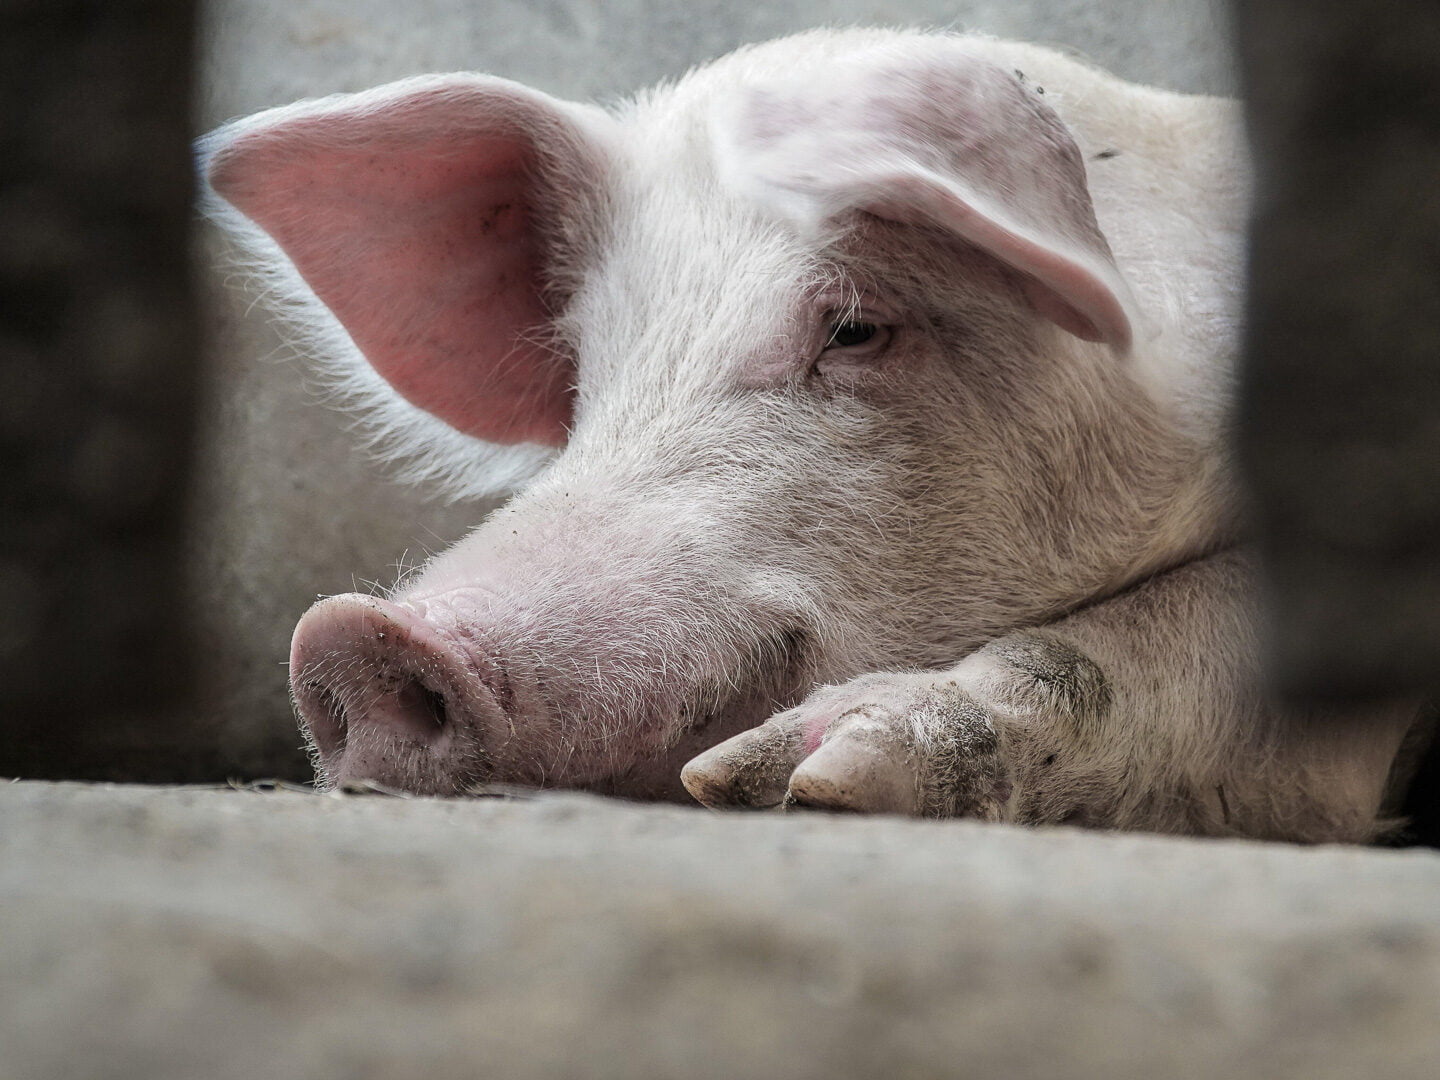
x: 917, y: 744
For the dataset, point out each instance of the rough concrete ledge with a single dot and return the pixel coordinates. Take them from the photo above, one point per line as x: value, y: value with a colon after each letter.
x: 167, y: 933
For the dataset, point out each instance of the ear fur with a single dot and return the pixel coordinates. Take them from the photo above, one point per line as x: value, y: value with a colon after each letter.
x: 933, y: 135
x: 418, y: 225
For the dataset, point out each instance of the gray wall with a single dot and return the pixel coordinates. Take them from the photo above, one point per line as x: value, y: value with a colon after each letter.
x: 286, y: 507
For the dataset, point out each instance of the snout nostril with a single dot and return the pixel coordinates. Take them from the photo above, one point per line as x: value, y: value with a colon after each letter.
x: 406, y: 708
x: 384, y: 695
x: 433, y: 703
x: 412, y: 710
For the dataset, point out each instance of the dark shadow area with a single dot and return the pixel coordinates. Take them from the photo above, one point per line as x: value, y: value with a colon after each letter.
x: 97, y: 389
x: 1339, y: 422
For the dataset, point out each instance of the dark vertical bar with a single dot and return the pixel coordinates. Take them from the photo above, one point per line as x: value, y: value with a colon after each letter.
x: 1340, y: 416
x: 97, y: 383
x: 1339, y: 422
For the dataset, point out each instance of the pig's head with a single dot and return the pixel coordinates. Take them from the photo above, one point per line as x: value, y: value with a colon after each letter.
x: 829, y: 355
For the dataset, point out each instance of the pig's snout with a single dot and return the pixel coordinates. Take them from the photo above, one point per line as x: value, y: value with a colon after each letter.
x: 441, y: 692
x: 385, y: 698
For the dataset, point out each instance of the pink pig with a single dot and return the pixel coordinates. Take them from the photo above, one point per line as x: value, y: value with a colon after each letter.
x: 865, y: 392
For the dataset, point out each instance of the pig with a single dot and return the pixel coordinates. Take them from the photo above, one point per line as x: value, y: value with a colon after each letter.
x: 862, y: 399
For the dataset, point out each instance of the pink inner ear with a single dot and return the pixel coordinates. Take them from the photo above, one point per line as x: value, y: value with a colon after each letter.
x: 415, y: 230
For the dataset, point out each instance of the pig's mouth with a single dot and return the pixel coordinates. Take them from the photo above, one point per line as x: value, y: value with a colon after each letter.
x: 774, y: 676
x: 387, y: 698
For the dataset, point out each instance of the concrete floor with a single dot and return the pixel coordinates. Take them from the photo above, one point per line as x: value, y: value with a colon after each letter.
x: 175, y: 934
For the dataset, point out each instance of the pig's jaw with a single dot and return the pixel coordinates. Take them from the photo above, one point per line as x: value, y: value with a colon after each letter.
x: 420, y: 696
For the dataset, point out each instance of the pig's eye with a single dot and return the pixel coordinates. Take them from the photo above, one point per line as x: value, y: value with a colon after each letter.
x: 853, y: 333
x: 853, y: 337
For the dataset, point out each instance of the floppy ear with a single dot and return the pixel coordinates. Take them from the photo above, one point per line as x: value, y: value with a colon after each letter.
x: 935, y: 136
x: 418, y: 213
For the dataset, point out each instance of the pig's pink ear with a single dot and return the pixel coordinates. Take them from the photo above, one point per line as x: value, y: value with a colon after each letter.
x: 940, y: 138
x: 419, y: 214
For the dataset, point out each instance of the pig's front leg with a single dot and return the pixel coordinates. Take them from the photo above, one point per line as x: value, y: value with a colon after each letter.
x: 1143, y: 711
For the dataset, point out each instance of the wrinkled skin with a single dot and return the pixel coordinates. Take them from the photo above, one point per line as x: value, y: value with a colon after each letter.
x: 886, y: 468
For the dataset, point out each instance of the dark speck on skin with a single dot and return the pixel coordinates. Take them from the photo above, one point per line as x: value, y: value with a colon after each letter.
x: 1105, y: 155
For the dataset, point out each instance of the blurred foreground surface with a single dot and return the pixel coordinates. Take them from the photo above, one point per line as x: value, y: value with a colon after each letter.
x: 167, y: 933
